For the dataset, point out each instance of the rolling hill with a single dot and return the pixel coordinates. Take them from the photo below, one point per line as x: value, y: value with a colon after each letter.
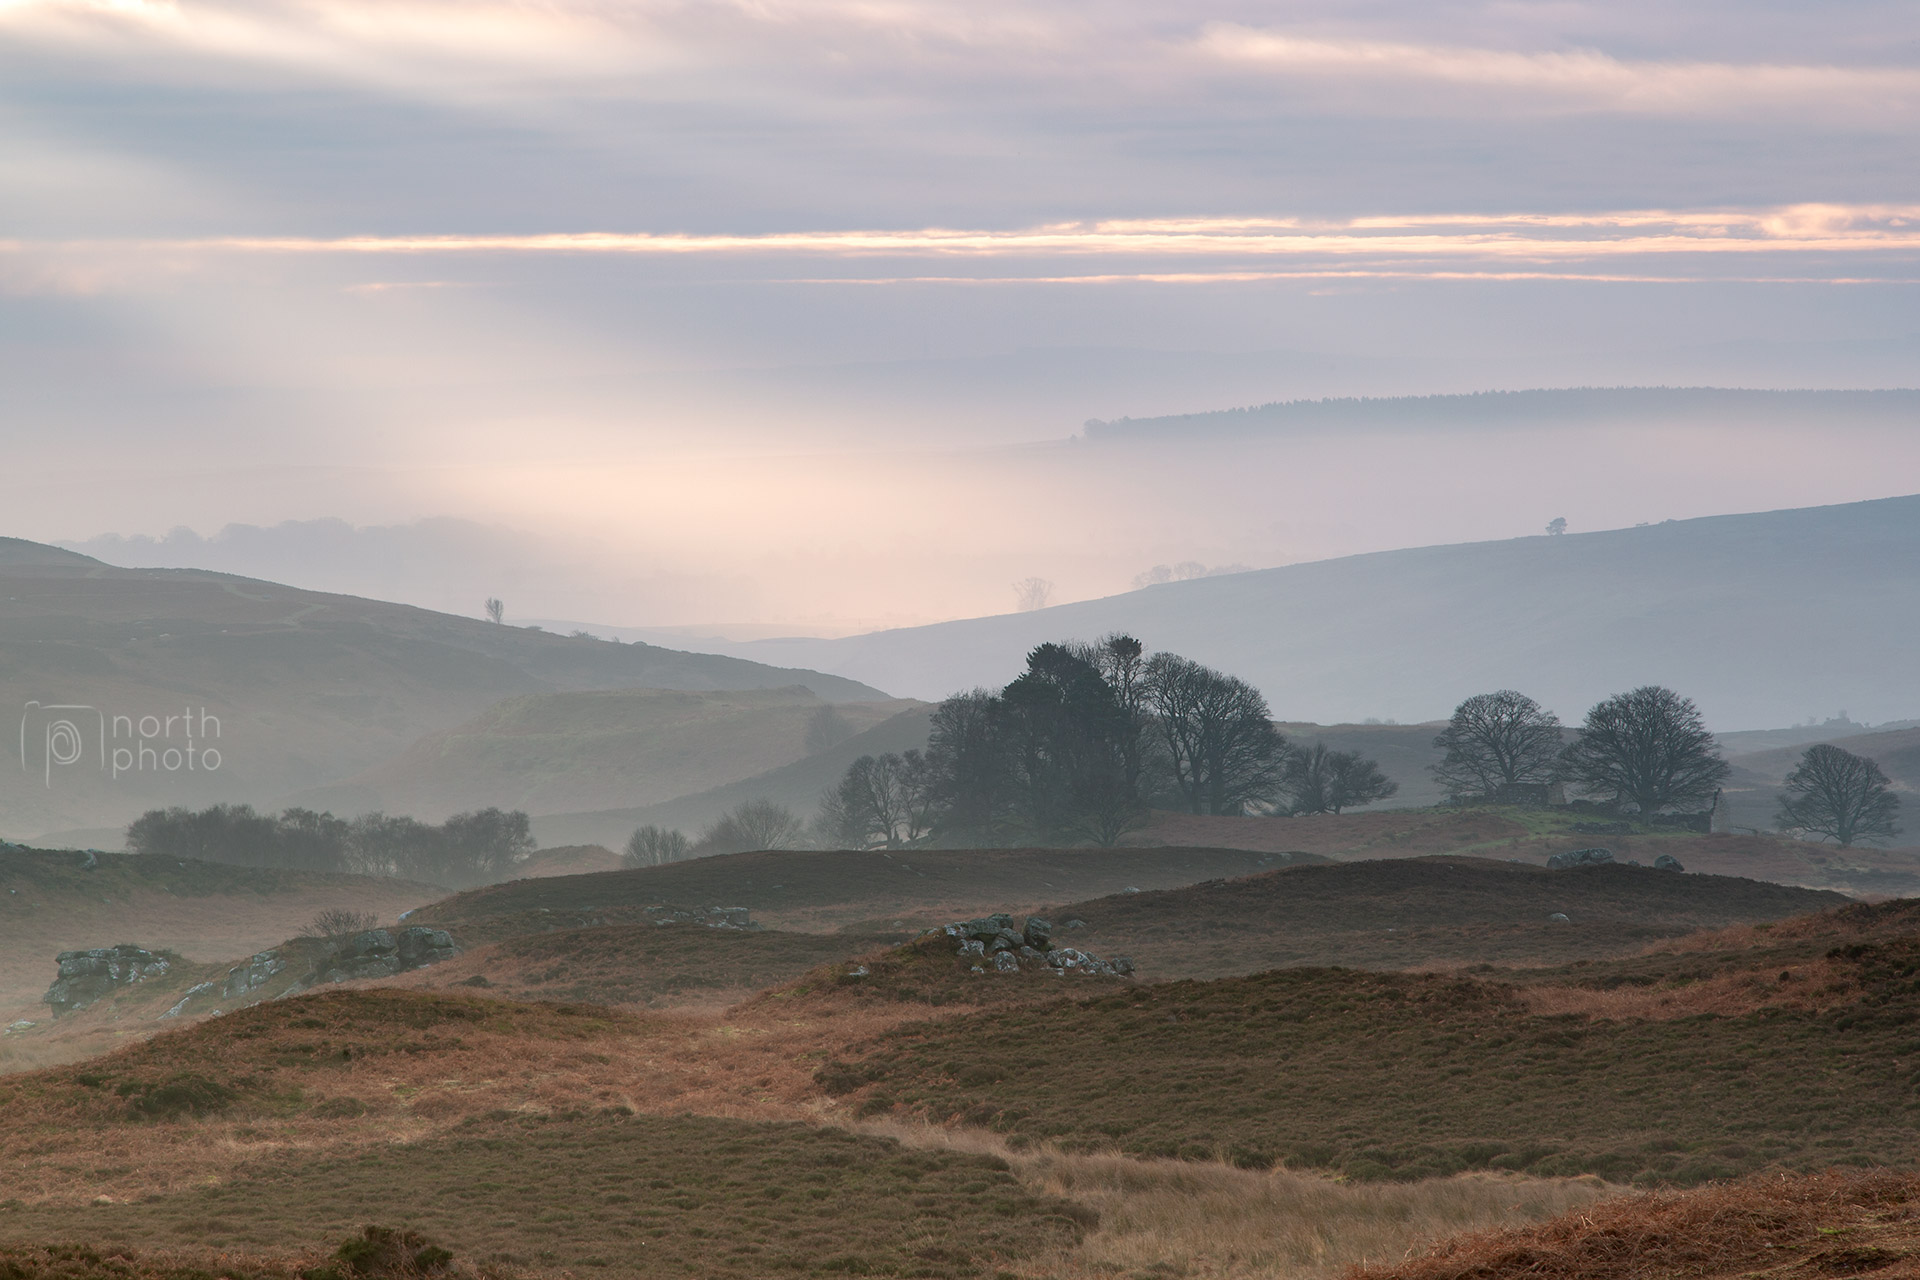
x: 832, y: 889
x: 1419, y: 912
x: 797, y: 785
x: 550, y: 752
x: 295, y: 689
x: 1762, y: 618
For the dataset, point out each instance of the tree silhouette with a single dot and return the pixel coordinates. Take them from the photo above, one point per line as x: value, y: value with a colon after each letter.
x: 1032, y: 593
x: 496, y: 609
x: 1838, y: 794
x: 1495, y: 740
x: 1648, y: 746
x: 1217, y: 737
x: 1323, y: 781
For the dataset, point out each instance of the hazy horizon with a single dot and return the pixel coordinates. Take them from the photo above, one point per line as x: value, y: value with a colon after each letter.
x: 781, y: 312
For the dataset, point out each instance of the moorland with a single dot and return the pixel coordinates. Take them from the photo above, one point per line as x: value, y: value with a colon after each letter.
x: 1321, y: 1059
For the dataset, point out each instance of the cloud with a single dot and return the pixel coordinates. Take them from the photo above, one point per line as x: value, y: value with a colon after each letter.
x: 1439, y: 246
x: 1569, y: 80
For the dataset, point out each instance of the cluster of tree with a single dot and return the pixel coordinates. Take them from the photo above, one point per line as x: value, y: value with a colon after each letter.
x: 748, y: 826
x: 1079, y: 747
x: 467, y: 849
x: 1649, y: 749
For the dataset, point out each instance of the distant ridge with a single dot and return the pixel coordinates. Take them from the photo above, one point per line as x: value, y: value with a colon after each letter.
x: 1508, y: 408
x: 1764, y: 618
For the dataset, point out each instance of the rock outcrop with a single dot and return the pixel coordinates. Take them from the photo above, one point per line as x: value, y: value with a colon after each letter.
x: 378, y: 953
x: 1579, y: 858
x: 1667, y: 862
x: 994, y: 945
x: 88, y: 976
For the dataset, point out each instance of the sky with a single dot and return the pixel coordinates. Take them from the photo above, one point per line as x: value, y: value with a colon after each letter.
x: 778, y: 312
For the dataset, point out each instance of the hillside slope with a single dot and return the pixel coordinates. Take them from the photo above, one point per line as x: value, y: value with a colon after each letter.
x: 797, y: 785
x: 588, y: 750
x: 1762, y: 618
x: 306, y: 688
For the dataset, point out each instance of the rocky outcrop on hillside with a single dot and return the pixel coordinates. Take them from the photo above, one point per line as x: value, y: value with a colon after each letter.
x: 1579, y: 858
x: 88, y: 976
x: 996, y: 946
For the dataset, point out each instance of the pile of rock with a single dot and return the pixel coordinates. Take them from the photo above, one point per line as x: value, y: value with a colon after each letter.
x: 1579, y: 858
x: 87, y: 976
x: 1601, y: 857
x: 994, y: 944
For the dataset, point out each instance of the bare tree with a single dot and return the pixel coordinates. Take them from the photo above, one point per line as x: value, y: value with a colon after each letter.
x: 1032, y: 593
x: 1838, y: 794
x: 876, y: 803
x: 1222, y: 749
x: 496, y: 610
x: 653, y: 846
x: 752, y: 825
x: 1323, y: 781
x: 826, y: 728
x: 341, y: 922
x: 1495, y: 740
x: 1648, y: 746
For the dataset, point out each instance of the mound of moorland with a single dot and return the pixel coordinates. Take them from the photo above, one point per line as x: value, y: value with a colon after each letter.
x: 626, y: 1194
x: 1415, y: 912
x: 1407, y: 1076
x: 827, y: 889
x: 1833, y: 1224
x: 657, y: 966
x: 597, y: 749
x: 57, y: 901
x: 570, y: 860
x: 1534, y: 835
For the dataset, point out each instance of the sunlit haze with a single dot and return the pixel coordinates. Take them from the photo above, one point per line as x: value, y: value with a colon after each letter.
x: 789, y: 315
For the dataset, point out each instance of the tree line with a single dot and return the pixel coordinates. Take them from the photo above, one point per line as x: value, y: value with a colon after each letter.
x: 467, y: 849
x: 1648, y: 750
x: 1080, y: 746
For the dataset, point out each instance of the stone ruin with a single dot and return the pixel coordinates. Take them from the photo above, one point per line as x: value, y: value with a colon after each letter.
x: 995, y: 946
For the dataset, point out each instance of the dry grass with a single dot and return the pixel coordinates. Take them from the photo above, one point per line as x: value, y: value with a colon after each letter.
x: 1206, y: 1219
x: 1831, y: 1224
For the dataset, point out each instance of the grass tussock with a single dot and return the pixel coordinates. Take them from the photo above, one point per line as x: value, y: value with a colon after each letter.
x: 1827, y: 1225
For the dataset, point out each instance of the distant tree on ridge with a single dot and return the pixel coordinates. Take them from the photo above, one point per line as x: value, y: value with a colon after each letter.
x: 1838, y: 794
